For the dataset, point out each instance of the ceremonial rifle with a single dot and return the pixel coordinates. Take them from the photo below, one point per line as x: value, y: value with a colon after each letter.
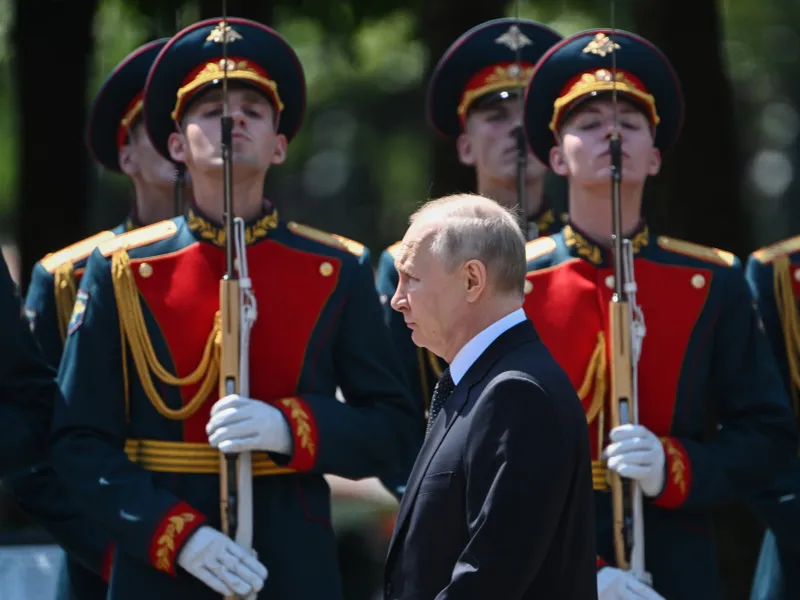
x: 626, y: 327
x: 522, y: 150
x: 180, y: 168
x: 238, y: 313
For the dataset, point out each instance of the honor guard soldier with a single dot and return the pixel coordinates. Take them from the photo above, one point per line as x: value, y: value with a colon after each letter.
x: 474, y: 97
x: 774, y: 276
x: 27, y: 385
x: 703, y: 358
x: 141, y: 433
x: 117, y: 140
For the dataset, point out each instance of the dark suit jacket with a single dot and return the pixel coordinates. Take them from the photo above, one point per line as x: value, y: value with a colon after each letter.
x: 499, y: 505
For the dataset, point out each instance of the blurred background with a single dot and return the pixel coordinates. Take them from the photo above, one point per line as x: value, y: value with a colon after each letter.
x: 365, y: 157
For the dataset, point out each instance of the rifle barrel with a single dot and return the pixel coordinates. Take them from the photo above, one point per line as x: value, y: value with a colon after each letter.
x: 621, y: 369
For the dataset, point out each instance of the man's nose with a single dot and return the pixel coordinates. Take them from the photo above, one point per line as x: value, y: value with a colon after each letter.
x: 611, y: 128
x: 398, y: 301
x: 237, y: 115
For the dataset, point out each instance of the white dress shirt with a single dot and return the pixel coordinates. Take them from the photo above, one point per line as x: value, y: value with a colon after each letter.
x: 467, y: 356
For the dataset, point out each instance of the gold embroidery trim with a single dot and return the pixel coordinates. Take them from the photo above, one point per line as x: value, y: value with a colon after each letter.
x: 215, y: 70
x: 210, y: 232
x: 599, y: 476
x: 592, y: 252
x: 302, y: 424
x: 584, y: 248
x: 640, y: 240
x: 223, y: 32
x: 134, y: 331
x: 65, y: 292
x: 602, y: 81
x: 677, y: 465
x: 165, y: 546
x: 790, y: 324
x: 191, y: 457
x: 601, y: 45
x: 544, y: 221
x: 501, y: 79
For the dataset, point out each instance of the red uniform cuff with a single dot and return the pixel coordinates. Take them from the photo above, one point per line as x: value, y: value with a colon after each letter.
x: 177, y: 524
x: 678, y: 475
x: 108, y: 560
x: 304, y: 432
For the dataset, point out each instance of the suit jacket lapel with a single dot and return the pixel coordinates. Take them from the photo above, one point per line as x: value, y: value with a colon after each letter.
x: 433, y: 440
x: 519, y: 334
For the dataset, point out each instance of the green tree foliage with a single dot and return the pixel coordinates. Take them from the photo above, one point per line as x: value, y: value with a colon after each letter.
x: 365, y: 65
x: 8, y: 129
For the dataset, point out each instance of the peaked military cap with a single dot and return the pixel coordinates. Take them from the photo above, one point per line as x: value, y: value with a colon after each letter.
x: 118, y: 104
x: 193, y: 60
x: 582, y: 66
x: 480, y: 68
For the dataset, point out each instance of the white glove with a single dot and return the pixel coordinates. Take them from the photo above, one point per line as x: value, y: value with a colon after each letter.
x: 636, y: 453
x: 614, y: 584
x: 222, y: 564
x: 240, y: 424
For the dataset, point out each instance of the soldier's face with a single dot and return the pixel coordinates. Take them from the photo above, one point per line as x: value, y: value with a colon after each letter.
x: 430, y: 298
x: 139, y: 159
x: 583, y: 154
x: 255, y: 143
x: 489, y: 143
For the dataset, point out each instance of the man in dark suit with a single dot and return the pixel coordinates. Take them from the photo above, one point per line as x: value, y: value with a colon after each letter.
x: 499, y: 503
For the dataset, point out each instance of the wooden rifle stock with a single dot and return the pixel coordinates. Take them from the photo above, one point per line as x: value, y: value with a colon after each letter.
x: 621, y: 403
x: 229, y: 384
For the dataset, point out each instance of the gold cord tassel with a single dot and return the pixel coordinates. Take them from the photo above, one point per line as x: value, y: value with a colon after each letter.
x: 597, y: 377
x: 134, y: 332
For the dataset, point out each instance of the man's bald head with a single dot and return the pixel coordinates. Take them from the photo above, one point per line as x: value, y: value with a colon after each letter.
x: 465, y: 227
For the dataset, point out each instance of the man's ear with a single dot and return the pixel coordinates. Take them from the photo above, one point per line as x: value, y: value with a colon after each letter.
x: 281, y: 148
x: 558, y: 164
x: 465, y: 151
x: 177, y: 147
x: 128, y: 160
x: 475, y: 279
x: 654, y: 164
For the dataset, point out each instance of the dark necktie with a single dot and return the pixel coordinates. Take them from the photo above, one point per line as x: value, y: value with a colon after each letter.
x: 444, y: 387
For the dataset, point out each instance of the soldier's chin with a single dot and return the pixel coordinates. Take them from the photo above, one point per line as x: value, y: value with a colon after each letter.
x: 508, y: 173
x: 602, y: 176
x: 241, y: 164
x: 246, y: 163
